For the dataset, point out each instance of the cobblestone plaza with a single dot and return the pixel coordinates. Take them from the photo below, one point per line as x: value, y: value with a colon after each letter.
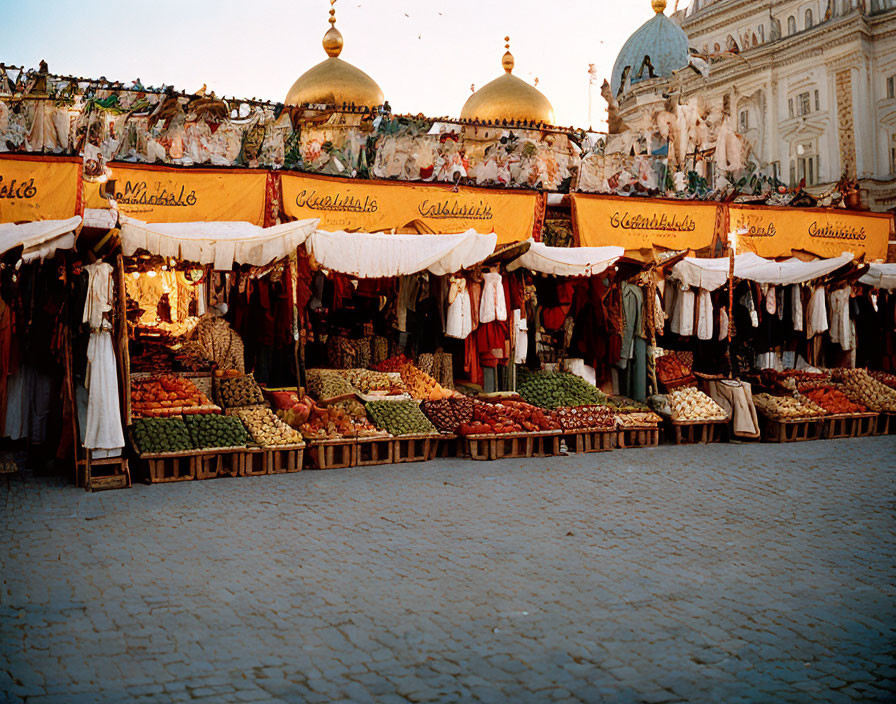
x: 720, y: 573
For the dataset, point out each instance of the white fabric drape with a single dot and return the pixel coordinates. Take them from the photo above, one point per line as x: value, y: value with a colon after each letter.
x: 711, y: 274
x: 219, y: 243
x: 683, y: 315
x: 704, y: 315
x: 840, y: 326
x: 880, y: 276
x: 376, y: 255
x: 39, y: 239
x: 817, y: 313
x: 492, y: 303
x: 103, y: 428
x: 796, y: 307
x: 567, y: 261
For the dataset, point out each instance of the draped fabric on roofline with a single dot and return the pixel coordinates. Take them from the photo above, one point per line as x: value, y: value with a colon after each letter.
x: 880, y: 276
x: 41, y: 238
x: 375, y: 255
x: 567, y: 261
x: 218, y: 243
x: 710, y: 274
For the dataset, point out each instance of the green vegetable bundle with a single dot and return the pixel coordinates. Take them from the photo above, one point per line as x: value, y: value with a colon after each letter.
x: 156, y: 435
x: 399, y: 417
x: 209, y: 430
x: 558, y: 390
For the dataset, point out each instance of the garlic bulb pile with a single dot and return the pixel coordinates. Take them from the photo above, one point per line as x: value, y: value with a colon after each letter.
x: 787, y: 406
x: 692, y: 404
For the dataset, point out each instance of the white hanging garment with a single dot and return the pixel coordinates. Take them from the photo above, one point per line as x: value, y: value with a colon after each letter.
x: 103, y: 428
x: 704, y: 316
x: 492, y: 304
x: 522, y: 337
x: 818, y: 313
x: 771, y: 301
x: 723, y: 324
x: 796, y: 307
x: 459, y: 318
x: 683, y: 315
x: 840, y: 322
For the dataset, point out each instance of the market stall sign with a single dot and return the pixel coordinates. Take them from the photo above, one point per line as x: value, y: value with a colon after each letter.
x: 154, y: 194
x: 38, y: 188
x: 636, y: 223
x: 776, y: 232
x: 368, y: 206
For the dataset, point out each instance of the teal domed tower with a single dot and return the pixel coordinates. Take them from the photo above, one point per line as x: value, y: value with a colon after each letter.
x: 657, y: 49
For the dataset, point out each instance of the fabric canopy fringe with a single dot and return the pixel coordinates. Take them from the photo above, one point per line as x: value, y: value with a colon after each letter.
x: 40, y: 238
x: 219, y: 243
x: 710, y: 274
x: 567, y: 261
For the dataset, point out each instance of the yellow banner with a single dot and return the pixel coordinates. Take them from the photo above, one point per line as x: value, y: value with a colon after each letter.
x: 776, y: 232
x: 638, y: 223
x: 156, y: 194
x: 38, y: 188
x: 370, y: 206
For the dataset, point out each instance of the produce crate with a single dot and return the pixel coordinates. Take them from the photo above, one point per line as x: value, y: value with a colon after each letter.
x: 169, y: 466
x: 498, y: 447
x: 886, y: 424
x: 376, y: 451
x: 698, y: 432
x: 219, y: 462
x: 256, y: 462
x: 631, y: 436
x: 593, y: 440
x: 849, y: 425
x: 791, y: 429
x: 332, y: 454
x: 415, y: 448
x: 451, y: 446
x: 285, y: 459
x: 545, y: 444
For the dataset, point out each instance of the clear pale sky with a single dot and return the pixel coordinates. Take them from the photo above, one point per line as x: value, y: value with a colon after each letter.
x: 425, y: 54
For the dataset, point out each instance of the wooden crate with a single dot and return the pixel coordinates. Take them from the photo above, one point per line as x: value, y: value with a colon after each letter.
x: 450, y: 446
x: 886, y: 424
x: 170, y: 467
x: 219, y: 462
x: 698, y: 432
x: 331, y: 454
x: 583, y: 441
x: 103, y: 474
x: 285, y: 459
x: 256, y: 462
x: 503, y: 446
x: 791, y: 430
x: 376, y: 451
x: 638, y: 436
x: 545, y: 444
x: 849, y: 425
x: 415, y: 448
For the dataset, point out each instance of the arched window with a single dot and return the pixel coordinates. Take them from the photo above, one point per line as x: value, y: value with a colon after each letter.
x: 791, y: 25
x: 762, y: 34
x: 809, y: 18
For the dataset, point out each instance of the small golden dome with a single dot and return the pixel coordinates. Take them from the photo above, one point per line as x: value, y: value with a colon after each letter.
x: 659, y: 6
x: 334, y: 81
x: 508, y: 98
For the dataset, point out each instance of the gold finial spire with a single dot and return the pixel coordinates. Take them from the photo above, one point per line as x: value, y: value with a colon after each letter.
x: 659, y: 6
x: 333, y: 41
x: 507, y: 60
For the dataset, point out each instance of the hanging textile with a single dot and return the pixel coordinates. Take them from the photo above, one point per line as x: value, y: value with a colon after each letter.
x: 818, y: 315
x: 841, y: 325
x: 103, y: 429
x: 492, y: 305
x: 704, y: 315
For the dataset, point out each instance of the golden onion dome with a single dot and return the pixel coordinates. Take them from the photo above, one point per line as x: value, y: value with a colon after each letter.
x: 334, y: 81
x: 508, y: 98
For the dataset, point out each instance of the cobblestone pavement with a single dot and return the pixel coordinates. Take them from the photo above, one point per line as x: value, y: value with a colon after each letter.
x: 713, y: 574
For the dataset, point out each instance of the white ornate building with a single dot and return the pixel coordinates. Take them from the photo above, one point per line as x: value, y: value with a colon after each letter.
x: 810, y: 84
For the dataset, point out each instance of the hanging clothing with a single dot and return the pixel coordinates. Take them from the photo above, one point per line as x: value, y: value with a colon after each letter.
x: 723, y: 324
x: 771, y: 301
x: 704, y: 315
x: 459, y: 320
x: 103, y: 429
x: 521, y: 346
x: 736, y: 399
x: 683, y: 315
x: 632, y: 306
x: 796, y: 307
x: 493, y: 305
x: 818, y: 314
x: 841, y: 326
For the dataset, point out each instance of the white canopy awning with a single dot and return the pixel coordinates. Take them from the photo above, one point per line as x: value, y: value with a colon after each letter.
x: 880, y: 276
x: 567, y: 261
x: 374, y: 255
x: 710, y: 274
x: 218, y: 243
x: 39, y: 239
